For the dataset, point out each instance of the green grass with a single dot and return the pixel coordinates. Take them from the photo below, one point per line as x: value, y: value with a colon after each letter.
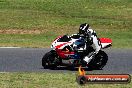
x: 48, y: 80
x: 110, y: 18
x: 26, y: 40
x: 120, y: 40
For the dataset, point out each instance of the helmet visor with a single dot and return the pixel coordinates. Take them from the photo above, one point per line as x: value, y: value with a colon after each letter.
x: 81, y: 32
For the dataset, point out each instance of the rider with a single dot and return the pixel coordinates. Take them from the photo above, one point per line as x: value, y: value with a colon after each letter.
x: 90, y: 37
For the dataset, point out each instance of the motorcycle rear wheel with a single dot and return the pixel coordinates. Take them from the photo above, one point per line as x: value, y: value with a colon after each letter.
x: 99, y: 61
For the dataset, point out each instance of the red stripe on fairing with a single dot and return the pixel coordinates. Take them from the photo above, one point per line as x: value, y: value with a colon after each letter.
x: 58, y: 46
x: 63, y: 54
x: 105, y: 40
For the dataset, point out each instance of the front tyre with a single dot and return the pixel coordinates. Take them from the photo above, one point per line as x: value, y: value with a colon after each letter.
x: 48, y: 60
x: 99, y: 61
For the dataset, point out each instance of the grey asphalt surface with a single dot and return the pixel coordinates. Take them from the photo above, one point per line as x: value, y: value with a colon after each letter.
x: 29, y: 60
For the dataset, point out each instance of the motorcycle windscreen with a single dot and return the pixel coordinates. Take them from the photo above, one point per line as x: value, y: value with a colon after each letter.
x: 63, y: 39
x: 79, y: 43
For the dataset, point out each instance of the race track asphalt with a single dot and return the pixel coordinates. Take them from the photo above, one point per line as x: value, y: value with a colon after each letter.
x: 29, y: 60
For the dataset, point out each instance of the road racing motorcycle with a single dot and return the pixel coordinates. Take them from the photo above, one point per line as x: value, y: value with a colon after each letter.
x: 62, y: 53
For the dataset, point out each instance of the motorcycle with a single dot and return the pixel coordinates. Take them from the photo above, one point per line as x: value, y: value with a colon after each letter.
x: 63, y: 53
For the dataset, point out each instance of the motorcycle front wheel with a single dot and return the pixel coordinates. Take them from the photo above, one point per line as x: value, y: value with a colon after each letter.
x: 48, y: 60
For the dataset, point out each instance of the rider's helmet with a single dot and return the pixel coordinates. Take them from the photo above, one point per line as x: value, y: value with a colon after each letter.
x: 83, y: 28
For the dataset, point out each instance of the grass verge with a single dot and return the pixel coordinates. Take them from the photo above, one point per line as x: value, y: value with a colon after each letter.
x: 48, y: 80
x: 51, y: 18
x: 120, y: 39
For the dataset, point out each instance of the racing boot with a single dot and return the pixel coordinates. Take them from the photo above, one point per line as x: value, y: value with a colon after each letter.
x: 88, y: 58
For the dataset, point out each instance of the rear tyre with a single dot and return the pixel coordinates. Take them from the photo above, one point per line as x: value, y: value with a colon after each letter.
x: 48, y: 60
x: 99, y: 61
